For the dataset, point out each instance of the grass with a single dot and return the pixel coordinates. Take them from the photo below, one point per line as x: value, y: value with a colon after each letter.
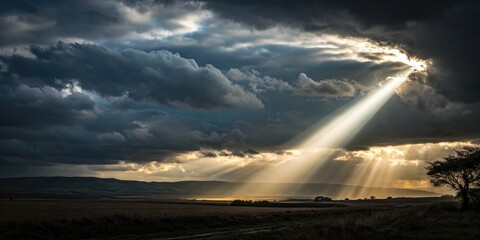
x: 435, y: 221
x: 121, y: 225
x: 439, y: 221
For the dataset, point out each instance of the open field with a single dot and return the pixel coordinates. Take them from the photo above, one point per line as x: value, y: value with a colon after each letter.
x: 161, y: 219
x: 54, y: 209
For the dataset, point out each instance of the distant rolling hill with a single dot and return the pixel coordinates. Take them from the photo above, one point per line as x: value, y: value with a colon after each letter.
x: 91, y: 187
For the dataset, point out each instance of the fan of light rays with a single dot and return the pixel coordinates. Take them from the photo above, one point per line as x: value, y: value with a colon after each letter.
x: 319, y: 146
x: 315, y: 148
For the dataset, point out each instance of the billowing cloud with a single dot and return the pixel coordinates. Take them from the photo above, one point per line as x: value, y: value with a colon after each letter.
x: 46, y: 21
x: 158, y: 75
x: 257, y: 82
x: 109, y: 137
x: 304, y: 86
x: 325, y: 88
x: 26, y: 106
x: 426, y: 98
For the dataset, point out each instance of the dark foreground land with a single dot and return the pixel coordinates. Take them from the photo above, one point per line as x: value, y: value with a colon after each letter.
x: 155, y: 219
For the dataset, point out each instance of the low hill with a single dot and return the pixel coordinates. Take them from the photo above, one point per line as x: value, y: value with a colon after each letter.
x: 91, y: 187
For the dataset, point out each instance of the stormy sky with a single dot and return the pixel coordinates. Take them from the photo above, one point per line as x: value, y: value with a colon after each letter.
x: 177, y: 90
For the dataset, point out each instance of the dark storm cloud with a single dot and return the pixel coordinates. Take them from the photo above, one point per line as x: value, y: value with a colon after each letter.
x: 398, y: 123
x: 158, y: 75
x: 46, y: 120
x: 47, y: 21
x: 444, y: 31
x: 133, y: 136
x: 327, y: 14
x: 27, y: 106
x: 285, y: 63
x: 452, y: 43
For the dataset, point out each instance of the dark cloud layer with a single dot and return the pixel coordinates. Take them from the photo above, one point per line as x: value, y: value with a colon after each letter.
x: 97, y: 82
x: 444, y: 31
x: 160, y: 75
x: 33, y: 107
x: 45, y: 21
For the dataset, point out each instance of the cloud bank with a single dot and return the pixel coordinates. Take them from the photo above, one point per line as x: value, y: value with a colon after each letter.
x: 115, y: 83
